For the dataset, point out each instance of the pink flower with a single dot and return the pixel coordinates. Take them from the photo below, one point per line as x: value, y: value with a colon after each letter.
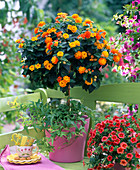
x: 124, y: 145
x: 104, y: 138
x: 121, y: 135
x: 106, y: 76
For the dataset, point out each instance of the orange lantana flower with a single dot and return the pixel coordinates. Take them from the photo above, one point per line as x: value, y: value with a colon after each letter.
x: 116, y: 58
x: 78, y: 55
x: 102, y: 61
x: 49, y: 66
x: 89, y: 83
x: 62, y: 83
x: 75, y: 16
x: 81, y: 69
x: 36, y: 30
x: 48, y: 40
x: 54, y: 60
x: 59, y: 78
x: 66, y: 78
x: 41, y: 24
x: 55, y: 43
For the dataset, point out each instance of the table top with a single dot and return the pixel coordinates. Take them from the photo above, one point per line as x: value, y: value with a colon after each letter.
x: 68, y: 166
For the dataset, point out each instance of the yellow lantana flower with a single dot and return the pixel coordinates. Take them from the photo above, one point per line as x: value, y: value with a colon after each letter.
x: 84, y: 54
x: 74, y: 29
x: 72, y: 44
x: 60, y: 54
x: 37, y: 66
x: 20, y: 45
x: 105, y: 54
x: 46, y: 62
x: 75, y: 16
x: 65, y: 35
x: 32, y: 67
x: 34, y: 38
x: 78, y: 20
x: 77, y: 43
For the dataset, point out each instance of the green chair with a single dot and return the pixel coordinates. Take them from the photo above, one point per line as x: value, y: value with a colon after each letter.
x: 122, y: 93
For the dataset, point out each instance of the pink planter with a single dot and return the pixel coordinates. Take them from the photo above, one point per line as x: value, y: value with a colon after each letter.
x: 71, y: 152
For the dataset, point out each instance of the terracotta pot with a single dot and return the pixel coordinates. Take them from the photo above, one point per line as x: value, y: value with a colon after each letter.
x: 71, y: 152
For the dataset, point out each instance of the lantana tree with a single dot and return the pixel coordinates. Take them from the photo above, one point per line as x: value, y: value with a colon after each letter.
x: 67, y: 53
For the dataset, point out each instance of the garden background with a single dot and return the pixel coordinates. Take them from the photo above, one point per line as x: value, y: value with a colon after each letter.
x: 18, y: 18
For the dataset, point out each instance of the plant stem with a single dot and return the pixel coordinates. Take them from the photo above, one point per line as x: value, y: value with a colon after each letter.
x: 68, y: 102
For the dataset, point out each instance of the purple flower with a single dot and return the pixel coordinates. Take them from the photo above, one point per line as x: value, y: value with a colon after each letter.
x: 132, y: 39
x: 131, y: 20
x: 126, y: 45
x: 138, y: 30
x: 135, y: 17
x: 133, y: 3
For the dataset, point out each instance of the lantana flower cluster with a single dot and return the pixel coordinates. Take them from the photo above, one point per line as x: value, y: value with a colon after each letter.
x: 66, y: 53
x: 128, y: 43
x: 113, y: 141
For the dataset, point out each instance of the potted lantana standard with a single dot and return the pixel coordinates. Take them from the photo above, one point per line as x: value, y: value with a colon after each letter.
x: 66, y: 53
x: 111, y: 144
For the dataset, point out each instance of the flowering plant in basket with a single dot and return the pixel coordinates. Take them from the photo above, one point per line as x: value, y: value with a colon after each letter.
x: 66, y: 53
x: 113, y: 141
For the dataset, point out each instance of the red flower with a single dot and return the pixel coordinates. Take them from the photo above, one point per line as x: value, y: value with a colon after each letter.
x: 108, y: 142
x: 121, y: 135
x: 138, y: 166
x: 59, y: 79
x: 107, y: 116
x: 129, y: 155
x: 123, y: 162
x: 101, y: 130
x: 118, y: 124
x: 87, y: 34
x: 137, y: 155
x: 128, y: 124
x: 124, y: 145
x: 113, y: 133
x: 114, y: 137
x: 83, y: 163
x: 111, y: 149
x: 109, y: 158
x: 120, y: 150
x: 89, y: 154
x: 104, y: 138
x: 133, y: 140
x: 117, y: 141
x: 138, y: 145
x: 110, y: 165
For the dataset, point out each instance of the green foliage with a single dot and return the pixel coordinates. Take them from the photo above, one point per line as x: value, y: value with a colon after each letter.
x: 56, y: 119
